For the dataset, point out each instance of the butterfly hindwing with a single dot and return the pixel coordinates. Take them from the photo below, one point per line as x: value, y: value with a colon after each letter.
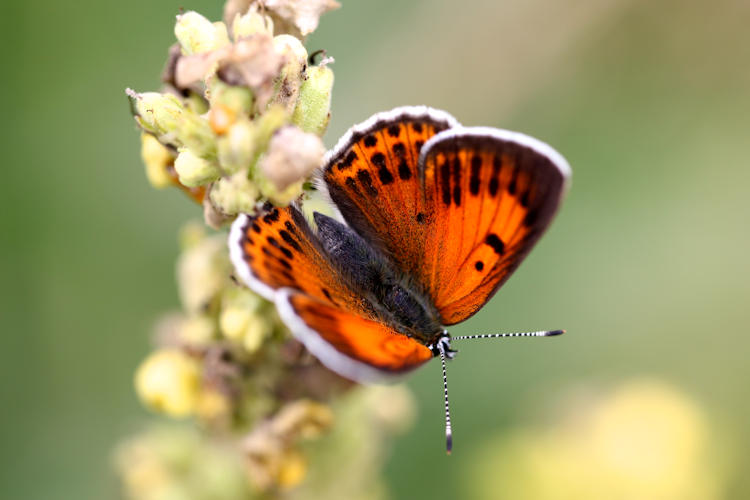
x: 356, y: 347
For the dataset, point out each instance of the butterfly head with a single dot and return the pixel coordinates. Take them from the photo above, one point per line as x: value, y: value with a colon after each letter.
x: 443, y: 344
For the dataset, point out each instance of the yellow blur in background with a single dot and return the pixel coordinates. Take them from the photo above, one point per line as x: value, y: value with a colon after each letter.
x: 646, y: 396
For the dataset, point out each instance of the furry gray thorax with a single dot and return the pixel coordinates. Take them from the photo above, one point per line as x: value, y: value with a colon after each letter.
x: 387, y: 290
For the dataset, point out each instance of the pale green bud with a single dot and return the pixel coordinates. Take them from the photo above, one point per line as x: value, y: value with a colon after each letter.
x: 195, y: 171
x: 268, y: 123
x: 238, y: 100
x: 166, y: 117
x: 169, y: 381
x: 281, y: 197
x: 287, y: 85
x: 237, y: 146
x: 197, y: 34
x: 234, y: 194
x: 313, y: 110
x: 251, y: 22
x: 157, y: 113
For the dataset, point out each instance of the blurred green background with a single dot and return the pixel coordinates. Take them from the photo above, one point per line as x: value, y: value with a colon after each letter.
x: 646, y: 265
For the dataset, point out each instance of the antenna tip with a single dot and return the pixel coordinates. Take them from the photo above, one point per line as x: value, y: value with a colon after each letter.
x: 555, y: 332
x: 448, y: 442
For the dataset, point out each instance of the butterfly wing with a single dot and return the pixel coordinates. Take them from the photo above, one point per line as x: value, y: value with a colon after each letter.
x: 352, y: 345
x: 372, y: 177
x: 492, y: 194
x: 278, y: 256
x: 276, y: 249
x: 481, y: 199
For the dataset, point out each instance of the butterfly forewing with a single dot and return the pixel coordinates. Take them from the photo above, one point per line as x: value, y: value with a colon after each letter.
x: 492, y: 193
x: 372, y: 177
x: 276, y: 249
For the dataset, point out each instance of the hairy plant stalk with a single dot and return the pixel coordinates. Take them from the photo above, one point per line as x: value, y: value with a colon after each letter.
x: 237, y: 123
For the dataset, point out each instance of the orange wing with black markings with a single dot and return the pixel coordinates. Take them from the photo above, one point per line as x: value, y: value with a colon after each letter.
x: 480, y: 201
x: 492, y: 194
x: 356, y: 347
x: 372, y: 176
x: 276, y: 249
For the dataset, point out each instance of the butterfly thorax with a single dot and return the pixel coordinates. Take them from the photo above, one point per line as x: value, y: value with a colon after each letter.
x: 386, y: 290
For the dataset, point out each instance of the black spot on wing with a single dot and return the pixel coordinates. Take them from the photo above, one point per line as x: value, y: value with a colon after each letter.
x: 417, y: 127
x: 394, y: 130
x: 403, y: 170
x: 479, y: 265
x: 370, y: 141
x: 445, y: 182
x: 289, y: 240
x: 457, y: 181
x: 496, y: 243
x: 495, y: 179
x: 476, y: 165
x: 366, y: 181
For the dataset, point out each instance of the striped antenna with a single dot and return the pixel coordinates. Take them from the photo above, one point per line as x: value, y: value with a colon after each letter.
x: 448, y: 433
x: 545, y: 333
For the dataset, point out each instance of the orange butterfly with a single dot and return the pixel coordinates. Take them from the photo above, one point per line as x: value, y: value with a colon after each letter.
x: 437, y: 217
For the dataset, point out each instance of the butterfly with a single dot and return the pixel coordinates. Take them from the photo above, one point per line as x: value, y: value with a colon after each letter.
x: 432, y: 218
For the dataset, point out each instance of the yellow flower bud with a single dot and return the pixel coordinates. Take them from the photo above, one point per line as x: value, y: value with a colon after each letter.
x: 292, y: 469
x: 195, y: 171
x: 156, y: 157
x: 168, y: 381
x: 250, y: 23
x: 197, y: 330
x: 313, y: 111
x: 212, y: 405
x: 202, y: 272
x: 197, y: 34
x: 257, y: 331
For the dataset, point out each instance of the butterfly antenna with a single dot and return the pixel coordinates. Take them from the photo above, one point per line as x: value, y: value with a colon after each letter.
x: 544, y: 333
x: 448, y: 433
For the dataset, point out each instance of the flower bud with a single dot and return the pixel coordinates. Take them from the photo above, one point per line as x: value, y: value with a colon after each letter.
x: 287, y: 85
x: 228, y: 104
x: 250, y: 23
x: 237, y: 147
x: 313, y: 110
x: 168, y: 381
x: 234, y: 194
x: 195, y: 171
x: 292, y: 155
x: 164, y: 116
x: 202, y: 272
x: 156, y: 157
x: 197, y: 330
x: 292, y: 469
x: 197, y: 34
